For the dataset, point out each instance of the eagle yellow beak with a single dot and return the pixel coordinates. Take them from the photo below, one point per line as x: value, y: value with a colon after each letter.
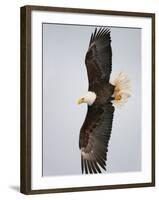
x: 80, y: 101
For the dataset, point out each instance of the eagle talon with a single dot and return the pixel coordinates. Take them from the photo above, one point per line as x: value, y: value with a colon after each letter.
x: 118, y: 97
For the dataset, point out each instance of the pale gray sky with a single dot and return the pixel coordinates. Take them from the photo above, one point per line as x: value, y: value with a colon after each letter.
x: 65, y: 80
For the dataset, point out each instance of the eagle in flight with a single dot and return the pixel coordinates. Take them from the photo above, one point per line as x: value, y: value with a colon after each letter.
x: 101, y: 97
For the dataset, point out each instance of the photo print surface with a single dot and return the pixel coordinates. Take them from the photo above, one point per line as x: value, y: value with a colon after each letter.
x: 65, y: 84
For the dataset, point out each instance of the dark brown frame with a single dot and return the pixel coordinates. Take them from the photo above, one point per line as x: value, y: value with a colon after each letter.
x: 25, y: 182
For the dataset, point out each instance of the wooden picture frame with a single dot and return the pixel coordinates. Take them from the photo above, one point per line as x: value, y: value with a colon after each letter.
x: 26, y: 183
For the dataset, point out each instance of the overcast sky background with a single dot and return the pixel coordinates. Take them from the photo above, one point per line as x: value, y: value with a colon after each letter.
x: 65, y: 80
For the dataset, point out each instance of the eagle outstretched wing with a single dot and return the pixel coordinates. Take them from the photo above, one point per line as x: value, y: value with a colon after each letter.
x: 94, y: 138
x: 98, y: 58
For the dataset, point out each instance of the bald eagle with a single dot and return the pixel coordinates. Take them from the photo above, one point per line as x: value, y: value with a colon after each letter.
x: 101, y: 97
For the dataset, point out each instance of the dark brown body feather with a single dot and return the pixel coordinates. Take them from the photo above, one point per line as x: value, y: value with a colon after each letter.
x: 96, y: 130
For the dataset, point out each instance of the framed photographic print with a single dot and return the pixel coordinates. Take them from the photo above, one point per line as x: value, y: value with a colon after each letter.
x: 87, y: 99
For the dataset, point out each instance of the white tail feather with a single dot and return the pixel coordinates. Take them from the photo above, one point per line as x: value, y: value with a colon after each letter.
x: 122, y: 89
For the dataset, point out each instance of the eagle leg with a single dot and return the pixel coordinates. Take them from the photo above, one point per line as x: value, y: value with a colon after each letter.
x: 110, y: 99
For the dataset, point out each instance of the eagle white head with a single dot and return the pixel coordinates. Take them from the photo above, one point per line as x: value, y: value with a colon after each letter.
x: 89, y: 98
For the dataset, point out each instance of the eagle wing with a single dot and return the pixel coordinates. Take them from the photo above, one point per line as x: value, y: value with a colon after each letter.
x: 98, y: 58
x: 94, y: 138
